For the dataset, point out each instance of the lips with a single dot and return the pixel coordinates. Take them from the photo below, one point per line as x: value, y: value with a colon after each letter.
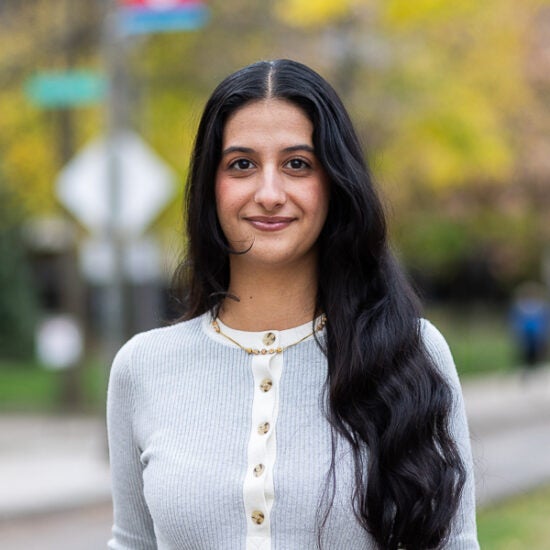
x: 269, y: 223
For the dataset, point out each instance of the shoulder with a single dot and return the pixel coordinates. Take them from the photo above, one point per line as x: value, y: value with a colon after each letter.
x: 438, y: 350
x: 181, y: 334
x: 432, y: 339
x: 157, y: 346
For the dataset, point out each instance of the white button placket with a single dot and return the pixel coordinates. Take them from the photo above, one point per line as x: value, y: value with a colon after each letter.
x: 258, y: 488
x: 266, y: 368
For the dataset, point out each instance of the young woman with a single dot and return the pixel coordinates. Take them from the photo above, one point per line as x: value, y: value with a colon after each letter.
x: 301, y: 402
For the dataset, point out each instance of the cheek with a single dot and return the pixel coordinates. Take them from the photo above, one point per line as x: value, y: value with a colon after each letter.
x: 223, y: 198
x: 219, y: 191
x: 228, y: 201
x: 322, y: 203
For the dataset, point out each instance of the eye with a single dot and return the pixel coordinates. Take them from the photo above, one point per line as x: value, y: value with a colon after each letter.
x: 298, y: 164
x: 241, y: 164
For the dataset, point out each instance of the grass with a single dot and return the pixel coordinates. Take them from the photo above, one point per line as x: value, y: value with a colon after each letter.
x: 517, y: 524
x: 29, y: 387
x: 26, y: 382
x: 479, y: 339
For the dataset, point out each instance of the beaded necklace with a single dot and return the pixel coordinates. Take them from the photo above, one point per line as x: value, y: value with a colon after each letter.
x: 265, y: 351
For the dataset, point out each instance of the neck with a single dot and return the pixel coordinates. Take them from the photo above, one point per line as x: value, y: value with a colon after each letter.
x: 270, y: 298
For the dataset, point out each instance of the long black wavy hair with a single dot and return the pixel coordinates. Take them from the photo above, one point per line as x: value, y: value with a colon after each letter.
x: 384, y: 392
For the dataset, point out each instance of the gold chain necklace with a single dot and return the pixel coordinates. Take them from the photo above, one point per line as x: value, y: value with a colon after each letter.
x: 265, y: 351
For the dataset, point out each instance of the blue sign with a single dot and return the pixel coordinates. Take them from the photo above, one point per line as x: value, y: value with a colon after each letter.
x: 60, y: 89
x: 187, y: 17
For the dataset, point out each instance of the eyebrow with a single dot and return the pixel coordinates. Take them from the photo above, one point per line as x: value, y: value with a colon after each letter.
x: 237, y: 149
x: 249, y: 151
x: 301, y: 147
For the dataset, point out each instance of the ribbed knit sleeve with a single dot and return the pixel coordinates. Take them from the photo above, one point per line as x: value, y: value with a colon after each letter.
x: 133, y: 526
x: 463, y: 532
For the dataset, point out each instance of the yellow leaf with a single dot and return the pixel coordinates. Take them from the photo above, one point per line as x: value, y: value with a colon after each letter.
x: 305, y: 13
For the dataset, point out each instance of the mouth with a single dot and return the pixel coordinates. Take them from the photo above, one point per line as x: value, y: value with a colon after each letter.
x: 269, y: 223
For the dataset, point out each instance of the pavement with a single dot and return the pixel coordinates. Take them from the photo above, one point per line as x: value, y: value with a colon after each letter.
x: 509, y: 419
x: 59, y: 463
x: 51, y: 463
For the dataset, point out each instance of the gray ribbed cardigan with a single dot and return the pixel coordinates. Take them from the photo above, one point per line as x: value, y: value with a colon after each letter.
x: 179, y: 419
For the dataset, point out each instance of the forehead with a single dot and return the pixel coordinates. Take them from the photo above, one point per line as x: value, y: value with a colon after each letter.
x: 268, y: 120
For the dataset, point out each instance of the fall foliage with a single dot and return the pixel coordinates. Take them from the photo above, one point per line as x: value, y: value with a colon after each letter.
x: 450, y: 98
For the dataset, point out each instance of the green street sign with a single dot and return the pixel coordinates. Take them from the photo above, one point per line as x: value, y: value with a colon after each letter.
x: 60, y: 89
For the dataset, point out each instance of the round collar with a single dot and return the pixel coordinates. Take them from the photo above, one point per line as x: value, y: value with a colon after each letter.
x: 266, y: 338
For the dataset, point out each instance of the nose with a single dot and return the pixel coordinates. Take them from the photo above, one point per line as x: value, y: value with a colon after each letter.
x: 270, y: 192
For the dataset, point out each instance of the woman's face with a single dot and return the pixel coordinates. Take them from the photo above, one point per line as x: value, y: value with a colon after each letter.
x: 272, y: 193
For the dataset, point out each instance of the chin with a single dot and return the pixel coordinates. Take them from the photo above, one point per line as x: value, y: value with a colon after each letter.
x: 281, y: 258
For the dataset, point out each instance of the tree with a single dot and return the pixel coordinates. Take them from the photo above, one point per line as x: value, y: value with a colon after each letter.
x: 17, y: 299
x: 446, y: 100
x: 450, y: 99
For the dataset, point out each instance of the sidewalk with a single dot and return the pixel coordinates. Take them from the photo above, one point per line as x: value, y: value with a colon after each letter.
x: 501, y: 402
x: 509, y: 418
x: 51, y: 463
x: 58, y: 463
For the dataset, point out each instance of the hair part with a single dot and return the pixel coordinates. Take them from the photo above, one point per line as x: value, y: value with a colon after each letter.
x: 384, y: 394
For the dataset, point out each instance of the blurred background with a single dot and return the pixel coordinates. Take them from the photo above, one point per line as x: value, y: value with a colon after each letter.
x: 99, y: 104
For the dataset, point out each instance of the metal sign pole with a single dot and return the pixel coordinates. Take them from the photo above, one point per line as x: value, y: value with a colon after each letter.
x: 113, y: 305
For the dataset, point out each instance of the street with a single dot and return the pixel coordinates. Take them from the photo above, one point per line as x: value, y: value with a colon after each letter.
x: 511, y: 460
x: 83, y: 529
x: 507, y: 460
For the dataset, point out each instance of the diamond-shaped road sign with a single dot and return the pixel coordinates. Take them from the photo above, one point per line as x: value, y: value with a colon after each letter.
x: 145, y: 185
